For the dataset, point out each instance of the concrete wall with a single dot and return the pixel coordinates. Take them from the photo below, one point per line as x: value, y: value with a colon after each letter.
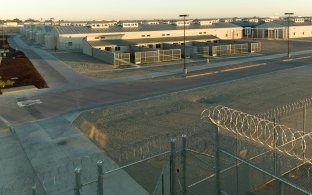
x: 49, y: 42
x: 123, y: 49
x: 134, y: 49
x: 104, y: 56
x: 190, y: 51
x: 222, y: 33
x: 86, y: 47
x: 69, y: 42
x: 300, y: 31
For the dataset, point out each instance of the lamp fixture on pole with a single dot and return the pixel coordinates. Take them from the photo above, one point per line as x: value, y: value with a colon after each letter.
x: 288, y: 50
x: 184, y: 63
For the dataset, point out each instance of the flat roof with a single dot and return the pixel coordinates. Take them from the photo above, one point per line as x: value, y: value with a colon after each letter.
x: 140, y: 28
x: 128, y: 42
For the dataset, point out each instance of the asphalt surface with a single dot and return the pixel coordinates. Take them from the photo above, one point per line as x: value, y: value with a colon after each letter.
x: 63, y: 101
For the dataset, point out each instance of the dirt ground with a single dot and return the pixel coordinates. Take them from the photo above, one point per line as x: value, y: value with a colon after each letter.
x: 81, y: 63
x: 16, y: 69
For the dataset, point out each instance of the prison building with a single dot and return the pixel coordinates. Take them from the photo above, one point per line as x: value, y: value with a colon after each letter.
x: 278, y: 30
x: 37, y: 33
x: 70, y: 37
x: 143, y: 51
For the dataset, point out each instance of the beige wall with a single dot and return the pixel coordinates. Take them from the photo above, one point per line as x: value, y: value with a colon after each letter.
x: 76, y: 39
x: 222, y: 33
x: 300, y: 31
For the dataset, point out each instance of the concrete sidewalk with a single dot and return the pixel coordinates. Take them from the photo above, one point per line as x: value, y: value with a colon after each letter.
x: 54, y: 71
x: 55, y: 149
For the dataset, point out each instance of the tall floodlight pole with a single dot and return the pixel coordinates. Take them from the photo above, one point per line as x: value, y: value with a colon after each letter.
x: 184, y: 63
x: 288, y: 14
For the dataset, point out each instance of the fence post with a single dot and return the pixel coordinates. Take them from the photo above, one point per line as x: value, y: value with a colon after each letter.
x: 77, y: 181
x: 304, y: 129
x: 281, y: 188
x: 172, y: 166
x: 274, y: 146
x: 217, y: 155
x: 183, y: 164
x: 162, y: 184
x: 100, y: 177
x: 34, y: 190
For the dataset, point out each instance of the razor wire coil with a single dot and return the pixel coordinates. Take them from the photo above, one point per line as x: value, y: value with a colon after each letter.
x: 262, y: 131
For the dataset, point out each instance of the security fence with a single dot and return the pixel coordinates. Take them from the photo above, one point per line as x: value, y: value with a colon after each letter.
x: 169, y: 55
x: 203, y: 52
x: 255, y: 47
x: 229, y: 152
x: 221, y: 50
x: 121, y: 59
x: 239, y: 48
x: 269, y: 155
x: 147, y: 57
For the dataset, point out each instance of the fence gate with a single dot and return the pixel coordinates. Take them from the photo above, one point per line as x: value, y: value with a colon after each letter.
x: 203, y: 52
x: 169, y: 55
x: 147, y: 57
x: 122, y: 59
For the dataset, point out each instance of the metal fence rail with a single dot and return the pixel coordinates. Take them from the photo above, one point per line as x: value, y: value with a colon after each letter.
x: 272, y: 150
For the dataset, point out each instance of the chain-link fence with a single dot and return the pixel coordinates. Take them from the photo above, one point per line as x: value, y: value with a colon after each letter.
x: 270, y: 156
x: 169, y: 55
x: 121, y: 59
x: 203, y: 52
x: 230, y: 152
x: 239, y: 48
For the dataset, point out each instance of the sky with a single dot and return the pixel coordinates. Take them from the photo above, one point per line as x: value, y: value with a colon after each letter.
x: 148, y: 9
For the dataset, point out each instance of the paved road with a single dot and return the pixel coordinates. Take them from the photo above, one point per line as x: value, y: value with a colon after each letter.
x: 66, y: 100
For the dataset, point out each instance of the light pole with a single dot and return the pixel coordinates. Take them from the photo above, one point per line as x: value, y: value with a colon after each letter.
x: 288, y: 14
x: 184, y: 63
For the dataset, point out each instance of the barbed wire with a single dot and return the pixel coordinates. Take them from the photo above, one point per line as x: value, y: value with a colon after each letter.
x: 286, y: 109
x: 262, y: 131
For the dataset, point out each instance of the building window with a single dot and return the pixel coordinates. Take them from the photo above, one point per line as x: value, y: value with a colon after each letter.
x: 108, y: 48
x: 163, y: 35
x: 117, y: 48
x: 200, y: 33
x: 96, y: 37
x: 205, y: 32
x: 70, y: 43
x: 168, y: 34
x: 226, y: 35
x: 148, y: 35
x: 150, y: 46
x: 142, y: 35
x: 302, y: 33
x: 294, y: 33
x: 157, y: 45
